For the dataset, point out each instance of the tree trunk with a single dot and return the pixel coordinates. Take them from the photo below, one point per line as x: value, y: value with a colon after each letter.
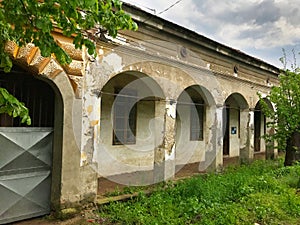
x: 292, y: 146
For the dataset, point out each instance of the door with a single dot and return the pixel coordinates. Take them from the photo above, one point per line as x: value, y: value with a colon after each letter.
x: 257, y: 130
x: 26, y: 151
x: 25, y: 172
x: 226, y: 123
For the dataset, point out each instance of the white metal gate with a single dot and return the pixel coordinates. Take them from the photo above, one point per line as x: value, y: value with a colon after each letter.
x: 25, y: 172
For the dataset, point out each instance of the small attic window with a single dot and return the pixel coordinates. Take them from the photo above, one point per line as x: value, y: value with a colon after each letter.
x: 236, y: 69
x: 183, y: 52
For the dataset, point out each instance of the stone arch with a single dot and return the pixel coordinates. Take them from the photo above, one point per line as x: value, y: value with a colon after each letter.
x: 195, y: 118
x: 67, y: 88
x: 136, y: 78
x: 130, y: 107
x: 169, y: 77
x: 235, y: 123
x: 172, y: 79
x: 239, y: 99
x: 261, y: 148
x: 30, y: 58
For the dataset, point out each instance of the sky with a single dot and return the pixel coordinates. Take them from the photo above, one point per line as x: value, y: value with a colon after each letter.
x: 260, y: 28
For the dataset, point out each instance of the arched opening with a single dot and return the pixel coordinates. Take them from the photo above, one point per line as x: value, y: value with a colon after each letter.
x: 235, y: 114
x: 131, y: 104
x: 26, y: 162
x: 261, y: 148
x: 259, y: 128
x: 192, y: 129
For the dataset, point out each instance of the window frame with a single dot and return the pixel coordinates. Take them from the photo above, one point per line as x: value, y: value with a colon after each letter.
x: 197, y: 114
x: 126, y: 106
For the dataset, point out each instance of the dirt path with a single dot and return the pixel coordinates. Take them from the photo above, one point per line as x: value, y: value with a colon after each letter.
x: 44, y: 221
x: 86, y: 217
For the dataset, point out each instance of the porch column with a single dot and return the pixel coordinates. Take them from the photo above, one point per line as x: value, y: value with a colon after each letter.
x: 164, y: 153
x: 245, y: 136
x: 251, y: 135
x: 214, y: 154
x: 271, y: 150
x: 90, y: 126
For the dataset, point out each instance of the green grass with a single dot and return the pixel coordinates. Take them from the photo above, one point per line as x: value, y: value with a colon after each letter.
x: 264, y: 192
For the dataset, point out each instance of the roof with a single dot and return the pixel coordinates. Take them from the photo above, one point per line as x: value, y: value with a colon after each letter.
x: 143, y: 17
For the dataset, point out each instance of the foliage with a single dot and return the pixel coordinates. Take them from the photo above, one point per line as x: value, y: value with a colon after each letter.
x: 10, y: 105
x: 285, y: 118
x: 33, y: 21
x: 260, y: 193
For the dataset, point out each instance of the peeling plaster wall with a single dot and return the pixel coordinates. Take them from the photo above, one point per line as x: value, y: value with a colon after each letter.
x: 172, y: 64
x: 245, y: 149
x: 217, y: 141
x: 76, y: 183
x: 163, y: 75
x: 251, y: 134
x: 163, y: 72
x: 164, y: 153
x: 89, y: 113
x: 172, y: 77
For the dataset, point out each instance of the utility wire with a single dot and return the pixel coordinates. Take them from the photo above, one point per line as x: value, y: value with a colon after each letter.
x: 140, y: 5
x: 161, y: 12
x: 171, y: 6
x: 175, y: 101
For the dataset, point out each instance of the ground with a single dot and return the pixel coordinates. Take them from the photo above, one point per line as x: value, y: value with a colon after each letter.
x: 107, y: 186
x: 43, y: 221
x: 84, y: 218
x: 87, y: 216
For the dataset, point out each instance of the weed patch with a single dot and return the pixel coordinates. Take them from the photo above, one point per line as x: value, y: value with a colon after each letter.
x: 264, y: 192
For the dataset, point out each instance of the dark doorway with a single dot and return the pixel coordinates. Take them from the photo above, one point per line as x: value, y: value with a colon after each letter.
x: 260, y: 127
x: 257, y: 128
x: 37, y: 95
x: 226, y: 124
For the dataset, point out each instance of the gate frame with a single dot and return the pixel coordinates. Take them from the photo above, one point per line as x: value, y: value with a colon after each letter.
x: 67, y: 172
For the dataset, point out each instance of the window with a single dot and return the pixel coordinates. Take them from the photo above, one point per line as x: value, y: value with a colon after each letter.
x: 124, y: 117
x: 196, y: 121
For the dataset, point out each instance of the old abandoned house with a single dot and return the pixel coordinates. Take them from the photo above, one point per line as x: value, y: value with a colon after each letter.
x: 155, y: 104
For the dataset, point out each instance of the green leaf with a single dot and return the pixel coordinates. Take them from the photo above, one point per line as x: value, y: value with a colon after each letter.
x: 32, y: 22
x: 10, y: 105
